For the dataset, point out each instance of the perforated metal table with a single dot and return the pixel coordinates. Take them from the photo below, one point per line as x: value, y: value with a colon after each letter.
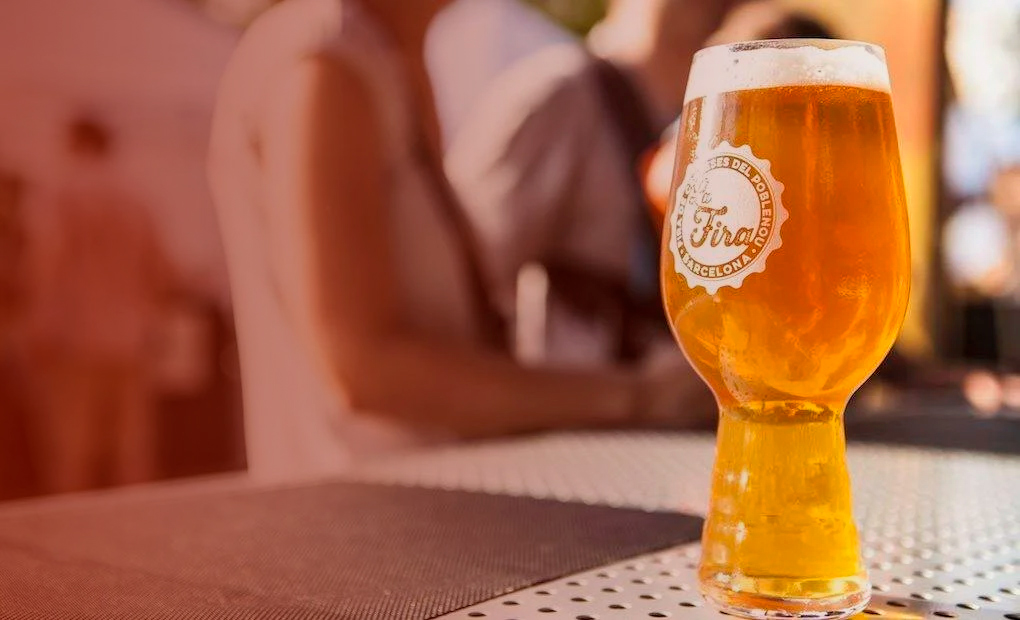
x: 941, y: 529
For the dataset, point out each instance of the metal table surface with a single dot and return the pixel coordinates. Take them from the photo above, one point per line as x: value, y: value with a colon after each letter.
x: 940, y: 529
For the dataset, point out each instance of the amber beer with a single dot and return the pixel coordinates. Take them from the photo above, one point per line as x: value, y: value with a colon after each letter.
x: 785, y: 277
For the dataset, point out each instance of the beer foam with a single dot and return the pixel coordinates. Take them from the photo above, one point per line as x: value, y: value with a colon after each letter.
x: 757, y: 64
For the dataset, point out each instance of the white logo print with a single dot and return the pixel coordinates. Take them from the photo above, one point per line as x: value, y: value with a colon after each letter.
x: 726, y: 218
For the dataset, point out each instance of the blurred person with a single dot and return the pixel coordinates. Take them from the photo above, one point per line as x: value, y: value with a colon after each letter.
x: 979, y: 245
x: 548, y: 169
x: 995, y: 393
x: 99, y: 276
x: 363, y: 315
x: 981, y: 150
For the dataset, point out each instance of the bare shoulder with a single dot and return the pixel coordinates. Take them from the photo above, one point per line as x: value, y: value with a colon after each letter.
x: 285, y: 34
x: 300, y: 27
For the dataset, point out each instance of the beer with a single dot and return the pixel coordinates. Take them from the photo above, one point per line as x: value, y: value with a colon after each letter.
x: 785, y: 279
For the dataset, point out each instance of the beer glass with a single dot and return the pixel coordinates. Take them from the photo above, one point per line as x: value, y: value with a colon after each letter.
x: 785, y: 276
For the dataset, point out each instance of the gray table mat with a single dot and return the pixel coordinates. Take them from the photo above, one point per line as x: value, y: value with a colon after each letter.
x: 336, y: 550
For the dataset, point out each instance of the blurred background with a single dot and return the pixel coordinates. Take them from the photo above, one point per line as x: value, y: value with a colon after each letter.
x: 134, y: 82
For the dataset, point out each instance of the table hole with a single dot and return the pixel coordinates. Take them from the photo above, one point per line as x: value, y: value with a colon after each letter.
x: 659, y: 614
x: 641, y: 581
x: 511, y: 603
x: 872, y: 612
x: 476, y: 614
x: 964, y: 581
x: 581, y: 599
x: 605, y: 575
x: 650, y: 597
x: 690, y: 604
x: 991, y: 598
x: 880, y: 587
x: 612, y: 590
x: 683, y: 587
x: 903, y: 580
x: 620, y: 606
x: 896, y: 604
x: 548, y: 610
x: 943, y: 588
x: 692, y: 566
x: 945, y: 614
x: 924, y: 596
x: 1010, y: 591
x: 969, y: 606
x: 1013, y: 616
x: 586, y: 617
x: 576, y: 583
x: 633, y: 567
x: 925, y: 573
x: 544, y: 593
x: 670, y: 573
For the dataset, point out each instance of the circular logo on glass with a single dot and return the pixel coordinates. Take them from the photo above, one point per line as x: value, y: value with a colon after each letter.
x: 726, y: 218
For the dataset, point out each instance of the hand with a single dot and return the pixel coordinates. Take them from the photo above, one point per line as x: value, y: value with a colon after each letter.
x: 671, y: 395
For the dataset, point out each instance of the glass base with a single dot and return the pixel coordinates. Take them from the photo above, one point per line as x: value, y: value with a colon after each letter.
x: 756, y: 606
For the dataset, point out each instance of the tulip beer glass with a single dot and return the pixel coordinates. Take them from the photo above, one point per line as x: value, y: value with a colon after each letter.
x: 785, y: 275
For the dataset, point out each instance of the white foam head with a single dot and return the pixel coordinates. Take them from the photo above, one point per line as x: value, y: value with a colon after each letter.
x: 792, y: 62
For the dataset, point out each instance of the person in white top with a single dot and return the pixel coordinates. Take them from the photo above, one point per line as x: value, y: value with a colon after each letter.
x: 363, y: 316
x: 548, y: 168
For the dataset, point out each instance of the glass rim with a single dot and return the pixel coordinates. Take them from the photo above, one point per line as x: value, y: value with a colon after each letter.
x: 791, y: 43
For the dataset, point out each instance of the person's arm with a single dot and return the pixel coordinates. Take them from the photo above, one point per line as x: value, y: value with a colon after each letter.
x: 331, y: 248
